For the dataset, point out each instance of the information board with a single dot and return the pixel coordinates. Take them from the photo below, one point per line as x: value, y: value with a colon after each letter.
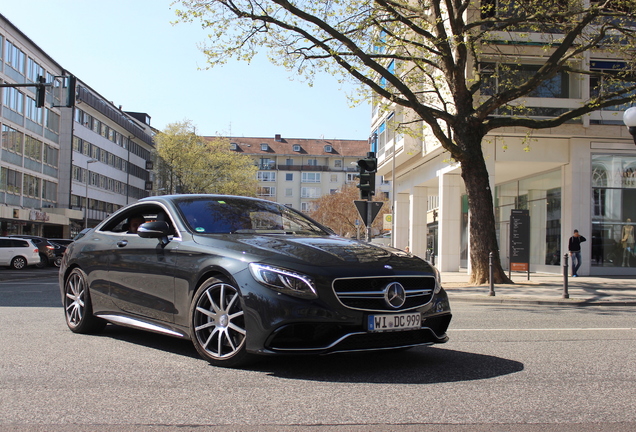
x: 520, y: 240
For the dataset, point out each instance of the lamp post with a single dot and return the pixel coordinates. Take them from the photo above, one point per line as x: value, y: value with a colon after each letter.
x: 629, y: 118
x: 90, y: 161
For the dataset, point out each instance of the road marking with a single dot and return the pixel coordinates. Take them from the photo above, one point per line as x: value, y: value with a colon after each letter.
x: 33, y: 283
x: 548, y: 329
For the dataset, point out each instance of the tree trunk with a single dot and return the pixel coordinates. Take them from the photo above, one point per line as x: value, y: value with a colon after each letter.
x: 483, y: 235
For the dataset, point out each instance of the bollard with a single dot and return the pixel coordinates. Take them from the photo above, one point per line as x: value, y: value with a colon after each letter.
x: 490, y: 276
x: 565, y: 276
x: 433, y: 259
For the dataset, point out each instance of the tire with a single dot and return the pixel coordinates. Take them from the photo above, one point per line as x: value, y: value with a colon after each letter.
x: 78, y: 309
x: 58, y: 261
x: 218, y: 323
x: 44, y: 261
x: 18, y: 263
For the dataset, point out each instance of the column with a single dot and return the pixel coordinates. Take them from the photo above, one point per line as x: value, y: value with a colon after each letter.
x: 401, y: 233
x: 417, y: 216
x: 449, y: 222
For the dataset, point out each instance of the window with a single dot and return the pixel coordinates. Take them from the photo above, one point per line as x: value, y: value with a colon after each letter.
x: 33, y: 113
x: 15, y: 57
x: 49, y: 191
x: 266, y: 176
x: 337, y: 163
x: 312, y: 162
x: 264, y: 147
x: 307, y: 206
x: 289, y: 176
x: 310, y: 192
x: 14, y: 100
x: 289, y: 162
x: 333, y: 178
x: 33, y: 148
x: 266, y: 163
x: 296, y: 147
x: 34, y: 70
x: 328, y: 149
x: 289, y: 192
x: 51, y: 155
x: 266, y: 191
x: 333, y: 191
x: 310, y: 177
x: 351, y: 177
x: 12, y: 181
x: 12, y: 140
x: 31, y: 186
x: 501, y: 77
x: 233, y: 146
x: 52, y: 121
x: 610, y: 76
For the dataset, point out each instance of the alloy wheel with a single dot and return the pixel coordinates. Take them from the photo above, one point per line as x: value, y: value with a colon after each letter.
x: 219, y: 323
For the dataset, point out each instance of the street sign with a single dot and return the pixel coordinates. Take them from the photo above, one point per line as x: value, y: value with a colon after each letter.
x: 362, y: 207
x: 388, y: 221
x: 520, y: 240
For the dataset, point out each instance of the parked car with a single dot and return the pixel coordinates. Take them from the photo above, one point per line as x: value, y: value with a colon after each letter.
x: 47, y: 250
x: 60, y: 241
x: 242, y: 276
x: 18, y: 253
x: 59, y: 251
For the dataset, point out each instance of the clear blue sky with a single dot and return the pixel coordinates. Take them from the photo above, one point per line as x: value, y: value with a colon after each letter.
x: 128, y: 51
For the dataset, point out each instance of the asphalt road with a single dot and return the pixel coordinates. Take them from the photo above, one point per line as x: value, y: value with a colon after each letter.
x: 506, y: 368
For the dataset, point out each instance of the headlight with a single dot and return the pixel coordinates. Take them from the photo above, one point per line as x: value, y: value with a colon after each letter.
x: 284, y: 281
x: 438, y: 280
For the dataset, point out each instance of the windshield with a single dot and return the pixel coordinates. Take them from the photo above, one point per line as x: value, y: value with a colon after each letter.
x: 231, y: 215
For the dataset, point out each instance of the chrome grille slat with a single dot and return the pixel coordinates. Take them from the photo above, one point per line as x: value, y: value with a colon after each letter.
x: 368, y: 293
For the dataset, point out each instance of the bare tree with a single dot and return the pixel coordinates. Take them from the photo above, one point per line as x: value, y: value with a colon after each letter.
x: 454, y: 64
x: 338, y: 212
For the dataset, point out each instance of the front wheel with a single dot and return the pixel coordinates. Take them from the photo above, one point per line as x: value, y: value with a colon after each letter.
x: 218, y: 323
x: 77, y: 305
x: 18, y: 263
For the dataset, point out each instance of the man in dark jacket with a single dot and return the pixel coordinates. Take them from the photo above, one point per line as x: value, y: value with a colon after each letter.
x: 574, y: 246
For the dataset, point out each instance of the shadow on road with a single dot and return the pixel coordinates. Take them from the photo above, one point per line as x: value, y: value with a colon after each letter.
x: 426, y: 365
x: 423, y: 365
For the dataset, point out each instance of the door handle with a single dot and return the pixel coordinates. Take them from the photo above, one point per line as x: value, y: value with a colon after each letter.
x: 122, y: 243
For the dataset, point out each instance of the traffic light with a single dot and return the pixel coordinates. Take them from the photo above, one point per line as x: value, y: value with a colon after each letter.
x: 368, y: 167
x: 40, y: 92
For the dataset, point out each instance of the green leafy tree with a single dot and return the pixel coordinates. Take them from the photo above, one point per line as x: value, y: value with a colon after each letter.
x: 453, y: 65
x: 191, y: 164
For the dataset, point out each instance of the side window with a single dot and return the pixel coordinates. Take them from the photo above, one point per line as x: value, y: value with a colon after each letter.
x: 128, y: 221
x: 4, y: 243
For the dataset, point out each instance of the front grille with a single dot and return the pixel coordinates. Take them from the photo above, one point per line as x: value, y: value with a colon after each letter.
x: 368, y: 294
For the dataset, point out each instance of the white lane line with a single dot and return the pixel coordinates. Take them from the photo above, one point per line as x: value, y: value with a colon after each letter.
x: 547, y: 329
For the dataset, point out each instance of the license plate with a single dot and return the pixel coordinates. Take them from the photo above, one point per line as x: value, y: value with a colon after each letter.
x: 395, y: 322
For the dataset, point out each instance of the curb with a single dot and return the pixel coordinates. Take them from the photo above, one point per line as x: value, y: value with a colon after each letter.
x: 483, y: 299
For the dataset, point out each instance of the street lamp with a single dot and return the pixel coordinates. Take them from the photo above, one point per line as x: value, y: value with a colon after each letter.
x: 629, y: 118
x: 90, y: 161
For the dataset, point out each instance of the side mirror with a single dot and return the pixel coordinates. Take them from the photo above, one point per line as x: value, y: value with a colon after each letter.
x: 158, y: 229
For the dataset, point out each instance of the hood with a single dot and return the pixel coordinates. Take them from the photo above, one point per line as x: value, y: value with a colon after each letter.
x: 327, y: 251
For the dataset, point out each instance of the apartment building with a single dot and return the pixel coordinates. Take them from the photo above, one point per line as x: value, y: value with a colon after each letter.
x: 580, y: 175
x: 67, y: 164
x: 295, y: 172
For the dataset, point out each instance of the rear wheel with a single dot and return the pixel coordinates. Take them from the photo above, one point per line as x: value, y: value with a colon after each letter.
x: 18, y: 263
x: 77, y: 305
x: 218, y: 323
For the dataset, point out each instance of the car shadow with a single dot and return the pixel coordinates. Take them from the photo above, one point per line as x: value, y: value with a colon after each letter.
x: 421, y: 365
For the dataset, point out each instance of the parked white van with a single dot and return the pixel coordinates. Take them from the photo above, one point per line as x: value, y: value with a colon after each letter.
x: 18, y: 253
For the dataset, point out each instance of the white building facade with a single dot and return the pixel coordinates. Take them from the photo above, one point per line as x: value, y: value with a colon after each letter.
x: 581, y: 175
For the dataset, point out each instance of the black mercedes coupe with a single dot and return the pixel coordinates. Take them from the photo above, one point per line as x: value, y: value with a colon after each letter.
x: 242, y: 276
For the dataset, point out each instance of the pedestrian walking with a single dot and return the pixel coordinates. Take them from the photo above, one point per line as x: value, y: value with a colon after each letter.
x: 574, y: 246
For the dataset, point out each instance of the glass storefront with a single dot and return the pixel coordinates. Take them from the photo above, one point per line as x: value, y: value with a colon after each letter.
x: 541, y: 195
x: 613, y: 211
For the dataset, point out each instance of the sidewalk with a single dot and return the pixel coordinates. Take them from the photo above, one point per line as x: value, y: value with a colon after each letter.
x: 546, y: 289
